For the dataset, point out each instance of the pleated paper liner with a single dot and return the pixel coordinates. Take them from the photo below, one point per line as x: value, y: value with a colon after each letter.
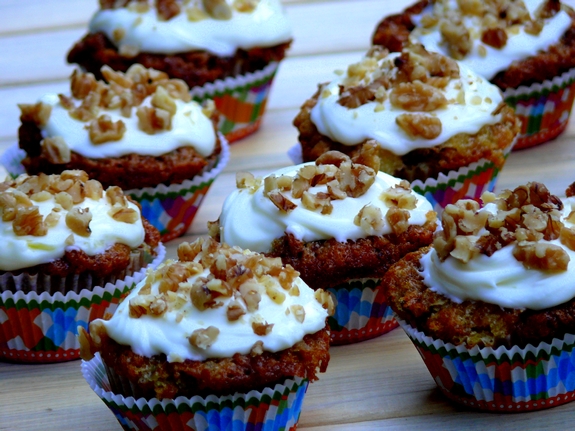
x: 544, y: 108
x: 169, y: 208
x: 361, y: 312
x: 503, y: 379
x: 241, y: 100
x: 39, y: 324
x: 468, y: 182
x: 272, y: 409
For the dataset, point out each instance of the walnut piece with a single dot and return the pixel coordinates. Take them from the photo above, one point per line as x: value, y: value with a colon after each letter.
x: 78, y: 220
x: 55, y: 150
x: 204, y: 338
x: 419, y: 125
x: 103, y: 130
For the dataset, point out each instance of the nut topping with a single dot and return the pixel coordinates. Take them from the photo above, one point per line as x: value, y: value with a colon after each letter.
x: 528, y: 217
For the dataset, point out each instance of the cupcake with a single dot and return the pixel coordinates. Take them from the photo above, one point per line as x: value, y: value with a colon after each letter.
x: 220, y: 338
x: 435, y: 122
x: 227, y: 51
x: 491, y: 306
x: 70, y: 251
x: 526, y: 48
x: 137, y: 130
x: 340, y: 224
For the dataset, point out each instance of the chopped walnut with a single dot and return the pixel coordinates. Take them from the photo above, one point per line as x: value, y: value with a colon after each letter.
x: 29, y: 221
x: 417, y: 96
x: 400, y: 196
x: 78, y: 221
x: 218, y: 9
x: 298, y: 312
x: 38, y: 113
x: 124, y: 215
x: 548, y: 257
x: 495, y: 37
x: 55, y: 150
x: 204, y: 338
x: 153, y: 120
x: 419, y: 125
x: 281, y: 202
x: 457, y: 38
x: 398, y: 219
x: 245, y: 6
x: 103, y: 130
x: 370, y: 219
x: 262, y: 329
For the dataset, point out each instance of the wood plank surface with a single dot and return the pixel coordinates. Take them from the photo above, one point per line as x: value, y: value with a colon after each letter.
x: 381, y: 384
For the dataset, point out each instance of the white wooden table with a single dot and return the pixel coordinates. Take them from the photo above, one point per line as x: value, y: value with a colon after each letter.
x: 378, y: 384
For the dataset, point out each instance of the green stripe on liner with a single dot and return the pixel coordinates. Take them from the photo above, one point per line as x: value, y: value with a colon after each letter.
x: 459, y: 179
x: 255, y: 401
x: 172, y: 194
x: 46, y: 304
x: 243, y: 88
x: 515, y: 358
x: 513, y: 100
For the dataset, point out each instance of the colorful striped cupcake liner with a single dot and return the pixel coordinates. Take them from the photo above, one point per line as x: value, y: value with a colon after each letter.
x: 171, y: 209
x: 241, y: 100
x: 469, y: 182
x: 39, y: 327
x: 544, y: 108
x: 361, y: 312
x: 272, y: 409
x: 503, y: 379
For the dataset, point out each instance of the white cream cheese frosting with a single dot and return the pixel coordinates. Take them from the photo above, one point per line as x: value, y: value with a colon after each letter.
x: 472, y: 101
x: 26, y: 250
x: 485, y: 59
x: 140, y: 111
x: 500, y: 278
x: 190, y: 127
x: 250, y: 220
x: 194, y: 29
x: 288, y: 318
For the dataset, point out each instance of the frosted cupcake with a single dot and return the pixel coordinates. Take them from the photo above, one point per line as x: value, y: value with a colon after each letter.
x: 435, y: 122
x: 220, y: 337
x: 490, y: 307
x: 341, y: 224
x: 227, y: 51
x: 139, y: 131
x: 70, y: 251
x: 526, y: 48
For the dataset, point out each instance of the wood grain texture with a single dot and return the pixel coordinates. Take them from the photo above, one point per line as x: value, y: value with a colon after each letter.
x: 379, y: 384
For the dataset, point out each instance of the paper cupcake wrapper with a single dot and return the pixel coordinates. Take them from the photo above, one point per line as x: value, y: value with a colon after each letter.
x: 543, y: 108
x: 272, y: 409
x: 241, y: 100
x: 361, y: 312
x: 468, y: 182
x: 503, y: 379
x: 171, y: 209
x: 42, y: 327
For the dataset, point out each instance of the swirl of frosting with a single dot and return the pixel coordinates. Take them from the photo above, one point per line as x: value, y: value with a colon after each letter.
x: 190, y: 127
x: 483, y: 58
x: 501, y: 278
x: 249, y: 219
x: 194, y: 29
x: 282, y: 316
x: 470, y: 104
